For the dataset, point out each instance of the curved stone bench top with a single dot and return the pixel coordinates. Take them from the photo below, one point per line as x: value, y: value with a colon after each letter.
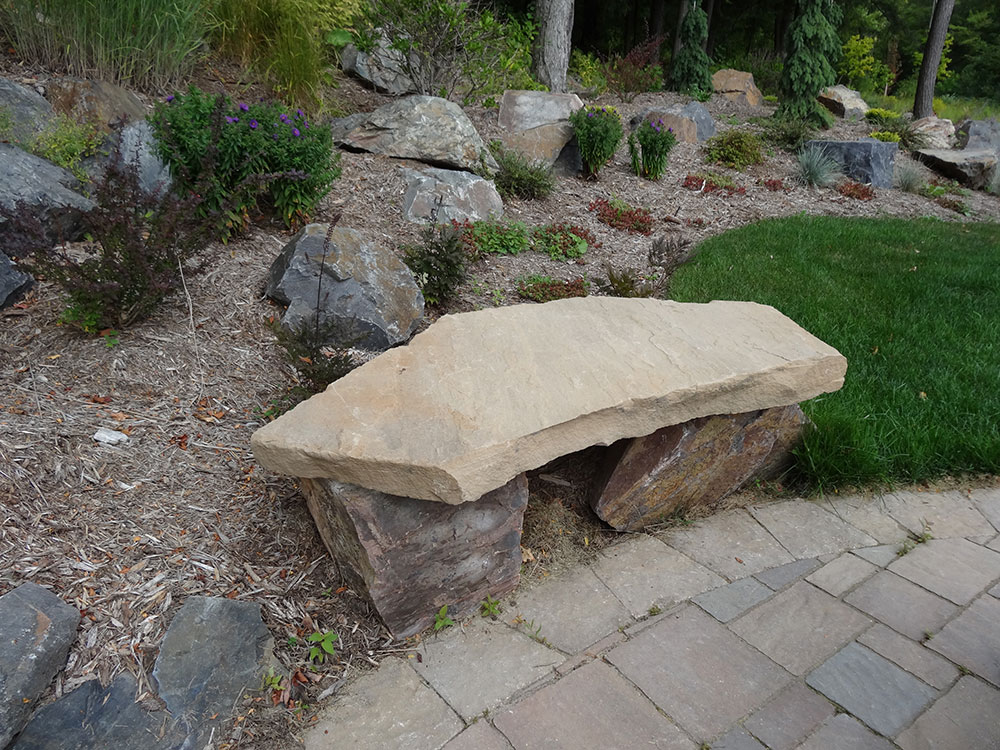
x: 479, y: 397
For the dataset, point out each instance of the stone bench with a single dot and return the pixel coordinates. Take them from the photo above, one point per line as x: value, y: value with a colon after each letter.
x: 413, y: 464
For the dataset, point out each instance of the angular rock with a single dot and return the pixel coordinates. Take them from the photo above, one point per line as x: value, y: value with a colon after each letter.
x: 694, y: 464
x: 134, y: 145
x: 47, y: 191
x: 425, y: 128
x: 866, y: 160
x: 442, y: 195
x: 691, y: 123
x: 94, y: 101
x: 524, y: 110
x: 14, y: 283
x: 737, y: 86
x: 366, y: 290
x: 95, y: 718
x: 553, y: 145
x: 536, y: 125
x: 979, y: 134
x: 412, y: 557
x: 479, y: 397
x: 971, y: 167
x: 37, y: 630
x: 213, y: 651
x: 28, y: 110
x: 937, y: 133
x: 843, y: 102
x: 383, y: 68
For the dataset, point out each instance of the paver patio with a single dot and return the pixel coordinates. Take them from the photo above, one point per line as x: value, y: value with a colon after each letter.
x: 762, y: 645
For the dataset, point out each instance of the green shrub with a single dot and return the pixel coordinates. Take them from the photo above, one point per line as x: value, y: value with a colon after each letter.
x: 538, y: 288
x: 66, y: 142
x: 815, y: 168
x: 881, y: 117
x: 440, y: 263
x: 649, y: 157
x: 589, y: 71
x: 598, y: 131
x: 639, y: 71
x: 560, y: 241
x: 690, y: 73
x: 909, y: 177
x: 520, y: 178
x: 208, y: 140
x: 620, y: 215
x: 147, y: 44
x: 813, y: 44
x: 885, y: 135
x: 908, y: 137
x: 734, y: 148
x: 787, y: 134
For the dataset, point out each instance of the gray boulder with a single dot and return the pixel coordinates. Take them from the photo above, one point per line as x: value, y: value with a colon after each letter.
x: 443, y: 195
x: 14, y: 282
x: 28, y: 110
x: 384, y: 69
x: 524, y: 110
x: 691, y: 123
x: 99, y: 102
x: 979, y: 134
x: 366, y: 290
x: 134, y: 145
x: 972, y: 167
x: 37, y: 630
x: 426, y: 128
x: 536, y: 125
x: 936, y: 132
x: 843, y: 102
x: 866, y: 160
x: 47, y: 191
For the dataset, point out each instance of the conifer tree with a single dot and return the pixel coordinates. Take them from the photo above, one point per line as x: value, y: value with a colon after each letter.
x: 813, y: 47
x: 690, y: 72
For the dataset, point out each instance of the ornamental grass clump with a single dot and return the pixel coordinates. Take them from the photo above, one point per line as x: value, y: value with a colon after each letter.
x: 598, y: 131
x: 649, y: 147
x: 816, y: 168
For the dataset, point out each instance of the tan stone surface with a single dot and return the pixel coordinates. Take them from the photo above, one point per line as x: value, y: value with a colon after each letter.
x: 480, y: 397
x: 737, y: 86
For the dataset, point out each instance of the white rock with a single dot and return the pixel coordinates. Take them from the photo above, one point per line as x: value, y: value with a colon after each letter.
x: 110, y: 437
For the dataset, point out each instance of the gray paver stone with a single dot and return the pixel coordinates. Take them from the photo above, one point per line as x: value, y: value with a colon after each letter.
x: 592, y: 707
x: 842, y: 574
x: 737, y: 739
x: 573, y: 611
x: 956, y: 569
x: 806, y: 530
x: 699, y: 673
x: 732, y: 544
x: 800, y: 627
x: 973, y: 639
x: 783, y: 722
x: 481, y: 665
x: 881, y: 555
x: 967, y: 717
x: 995, y: 544
x: 995, y: 591
x: 947, y: 514
x: 778, y: 578
x: 479, y: 736
x: 872, y: 688
x: 901, y: 605
x: 733, y: 600
x: 868, y: 514
x: 644, y: 571
x: 389, y: 709
x: 988, y: 503
x: 911, y: 656
x: 844, y: 732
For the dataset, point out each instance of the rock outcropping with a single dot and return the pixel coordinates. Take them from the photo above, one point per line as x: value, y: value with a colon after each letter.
x: 737, y: 86
x: 843, y: 102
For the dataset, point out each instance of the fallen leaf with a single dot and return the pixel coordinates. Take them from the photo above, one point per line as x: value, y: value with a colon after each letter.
x: 526, y: 555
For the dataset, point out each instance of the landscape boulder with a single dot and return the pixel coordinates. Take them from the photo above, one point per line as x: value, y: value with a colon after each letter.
x: 134, y: 145
x: 690, y: 123
x: 442, y: 195
x: 843, y: 102
x: 536, y: 125
x: 14, y: 283
x: 936, y: 132
x: 426, y: 128
x: 28, y: 110
x: 867, y: 160
x: 737, y: 86
x: 972, y: 167
x: 365, y: 291
x: 383, y: 68
x: 979, y: 134
x: 37, y: 629
x: 99, y: 102
x: 480, y: 397
x: 48, y: 192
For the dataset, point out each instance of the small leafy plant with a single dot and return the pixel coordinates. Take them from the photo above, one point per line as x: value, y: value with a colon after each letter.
x: 856, y: 190
x: 588, y: 70
x: 520, y: 178
x: 885, y: 135
x: 66, y: 142
x: 881, y: 117
x: 787, y: 133
x: 560, y: 241
x: 538, y: 288
x: 649, y: 147
x: 954, y: 204
x: 630, y: 283
x: 620, y: 215
x: 489, y: 607
x: 598, y: 131
x: 441, y: 619
x: 736, y: 149
x: 440, y: 263
x: 815, y: 168
x: 322, y: 645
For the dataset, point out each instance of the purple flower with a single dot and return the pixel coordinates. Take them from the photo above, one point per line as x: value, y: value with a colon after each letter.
x: 300, y: 114
x: 284, y: 117
x: 295, y: 132
x: 231, y: 120
x: 590, y: 114
x: 170, y: 98
x: 274, y: 136
x: 253, y: 124
x: 244, y: 107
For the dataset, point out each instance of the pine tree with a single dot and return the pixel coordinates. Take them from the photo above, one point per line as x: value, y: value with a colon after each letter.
x: 813, y: 46
x: 690, y: 72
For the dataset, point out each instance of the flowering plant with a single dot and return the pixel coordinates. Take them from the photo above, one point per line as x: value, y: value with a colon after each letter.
x: 249, y: 150
x: 649, y: 147
x: 598, y: 131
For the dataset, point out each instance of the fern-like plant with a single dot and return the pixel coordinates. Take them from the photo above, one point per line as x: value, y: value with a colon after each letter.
x: 813, y: 46
x: 691, y: 74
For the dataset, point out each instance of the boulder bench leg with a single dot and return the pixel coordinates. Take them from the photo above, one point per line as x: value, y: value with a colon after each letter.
x: 411, y: 557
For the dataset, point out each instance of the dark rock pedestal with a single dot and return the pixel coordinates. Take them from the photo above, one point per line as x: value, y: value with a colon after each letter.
x: 411, y: 557
x: 14, y: 282
x: 866, y: 160
x: 697, y: 463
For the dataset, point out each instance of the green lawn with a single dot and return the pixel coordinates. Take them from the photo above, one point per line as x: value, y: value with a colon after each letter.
x: 915, y: 308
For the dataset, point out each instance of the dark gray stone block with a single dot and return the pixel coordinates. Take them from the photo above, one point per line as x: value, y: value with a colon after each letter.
x: 29, y: 111
x: 134, y: 145
x: 36, y: 630
x: 866, y: 160
x: 728, y: 602
x: 14, y: 282
x: 778, y: 578
x: 979, y: 134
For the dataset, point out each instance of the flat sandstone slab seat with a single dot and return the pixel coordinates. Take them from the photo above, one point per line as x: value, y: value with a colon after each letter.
x: 480, y: 397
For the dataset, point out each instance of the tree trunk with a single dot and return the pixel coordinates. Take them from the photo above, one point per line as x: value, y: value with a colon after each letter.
x: 923, y: 103
x: 682, y: 11
x: 552, y: 47
x: 657, y: 18
x: 709, y: 8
